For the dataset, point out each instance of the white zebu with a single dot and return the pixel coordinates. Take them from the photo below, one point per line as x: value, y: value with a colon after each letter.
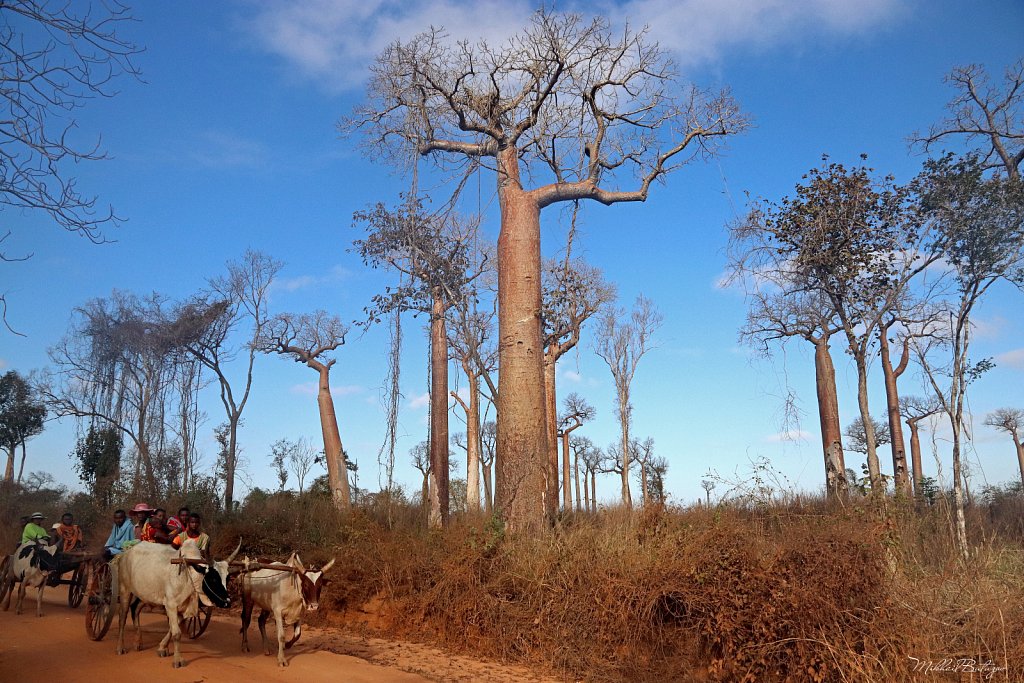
x: 145, y: 572
x: 29, y: 567
x: 286, y: 594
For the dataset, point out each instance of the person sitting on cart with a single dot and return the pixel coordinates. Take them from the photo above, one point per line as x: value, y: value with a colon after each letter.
x: 140, y: 515
x: 155, y: 530
x: 33, y: 531
x: 194, y: 532
x: 176, y: 525
x: 122, y: 532
x: 69, y: 534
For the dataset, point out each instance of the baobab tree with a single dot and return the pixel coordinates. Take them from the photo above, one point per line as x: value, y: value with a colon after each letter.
x: 575, y: 412
x: 642, y: 452
x: 307, y: 339
x: 419, y: 455
x: 1011, y: 421
x: 22, y: 415
x: 622, y: 340
x: 914, y: 409
x: 583, y: 449
x: 572, y: 292
x: 582, y: 111
x: 432, y: 254
x: 985, y: 114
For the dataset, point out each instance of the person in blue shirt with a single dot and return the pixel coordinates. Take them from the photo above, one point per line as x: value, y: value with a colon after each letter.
x: 122, y: 532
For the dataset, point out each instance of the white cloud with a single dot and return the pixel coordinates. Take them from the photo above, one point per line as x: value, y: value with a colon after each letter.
x: 991, y: 328
x: 292, y: 284
x: 312, y: 388
x: 791, y: 435
x: 570, y: 376
x: 334, y: 41
x: 420, y: 401
x: 1013, y: 359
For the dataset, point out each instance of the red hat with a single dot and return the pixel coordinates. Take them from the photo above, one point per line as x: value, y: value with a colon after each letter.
x: 142, y: 507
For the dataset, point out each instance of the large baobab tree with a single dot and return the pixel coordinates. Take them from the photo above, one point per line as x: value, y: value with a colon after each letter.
x: 220, y: 325
x: 1011, y: 421
x: 572, y: 292
x: 986, y: 114
x: 856, y: 240
x: 307, y: 339
x: 582, y: 111
x: 575, y: 413
x: 622, y: 340
x: 914, y: 409
x: 981, y: 224
x: 432, y: 253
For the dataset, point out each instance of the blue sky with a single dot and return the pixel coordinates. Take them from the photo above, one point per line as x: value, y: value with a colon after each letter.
x: 231, y: 142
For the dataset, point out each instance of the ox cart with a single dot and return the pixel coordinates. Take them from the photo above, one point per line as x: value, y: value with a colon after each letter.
x: 75, y: 562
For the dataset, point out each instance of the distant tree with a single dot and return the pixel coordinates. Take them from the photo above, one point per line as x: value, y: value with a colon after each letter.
x: 97, y: 459
x: 488, y: 446
x: 642, y: 453
x: 622, y: 340
x: 986, y: 114
x: 301, y: 460
x: 559, y: 103
x: 206, y: 327
x: 981, y: 226
x: 914, y: 409
x: 279, y: 454
x: 575, y: 413
x: 572, y: 291
x: 1011, y: 421
x: 420, y: 457
x: 708, y: 485
x: 656, y: 467
x: 856, y: 436
x: 307, y: 339
x: 55, y: 57
x: 22, y: 415
x: 583, y: 449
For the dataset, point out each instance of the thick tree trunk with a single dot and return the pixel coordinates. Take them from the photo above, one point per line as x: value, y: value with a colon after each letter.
x: 488, y: 488
x: 1020, y: 456
x: 576, y: 478
x: 551, y: 482
x: 624, y: 418
x: 334, y: 453
x: 901, y: 479
x: 473, y: 446
x: 915, y: 457
x: 566, y: 472
x: 425, y: 495
x: 438, y: 413
x: 522, y: 429
x: 593, y: 491
x: 9, y: 471
x: 828, y: 414
x: 874, y: 470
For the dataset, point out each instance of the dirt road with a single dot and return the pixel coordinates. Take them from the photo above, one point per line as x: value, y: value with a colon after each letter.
x: 55, y: 648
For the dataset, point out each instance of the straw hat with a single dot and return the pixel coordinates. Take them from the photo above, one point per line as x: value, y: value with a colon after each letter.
x: 142, y: 507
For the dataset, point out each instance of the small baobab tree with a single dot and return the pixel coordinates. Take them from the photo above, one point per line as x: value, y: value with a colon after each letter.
x: 1011, y: 421
x: 575, y: 413
x: 585, y: 112
x: 914, y: 409
x: 307, y: 339
x: 622, y: 340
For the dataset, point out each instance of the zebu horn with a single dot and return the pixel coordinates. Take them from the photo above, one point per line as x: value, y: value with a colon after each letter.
x: 298, y: 564
x: 328, y: 565
x: 232, y: 555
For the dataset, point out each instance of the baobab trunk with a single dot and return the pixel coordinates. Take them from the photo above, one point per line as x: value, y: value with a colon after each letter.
x: 576, y: 476
x: 627, y: 497
x: 522, y: 439
x: 901, y: 480
x: 915, y: 458
x: 9, y: 472
x: 1020, y: 457
x: 593, y: 491
x: 828, y: 414
x: 473, y: 446
x: 488, y: 500
x: 567, y: 473
x: 874, y: 471
x: 337, y: 471
x: 551, y: 414
x: 438, y: 413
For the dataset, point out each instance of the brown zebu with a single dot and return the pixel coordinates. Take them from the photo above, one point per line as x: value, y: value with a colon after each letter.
x: 286, y: 593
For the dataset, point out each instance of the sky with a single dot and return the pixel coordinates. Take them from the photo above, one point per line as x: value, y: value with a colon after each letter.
x: 230, y: 141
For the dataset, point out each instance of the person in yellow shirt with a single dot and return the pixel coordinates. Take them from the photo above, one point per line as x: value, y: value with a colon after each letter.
x: 33, y: 531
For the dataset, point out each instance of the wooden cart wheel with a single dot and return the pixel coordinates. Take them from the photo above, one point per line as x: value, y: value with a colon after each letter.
x: 100, y: 607
x: 76, y: 589
x: 5, y: 580
x: 194, y: 626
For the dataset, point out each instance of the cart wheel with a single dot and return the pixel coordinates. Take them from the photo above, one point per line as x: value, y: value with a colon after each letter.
x: 5, y: 579
x: 99, y: 610
x: 194, y: 626
x: 76, y: 589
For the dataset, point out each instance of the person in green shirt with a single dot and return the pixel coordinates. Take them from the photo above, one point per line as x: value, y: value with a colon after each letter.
x: 33, y: 531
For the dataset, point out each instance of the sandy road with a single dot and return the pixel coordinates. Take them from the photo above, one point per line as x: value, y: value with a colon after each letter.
x: 56, y: 649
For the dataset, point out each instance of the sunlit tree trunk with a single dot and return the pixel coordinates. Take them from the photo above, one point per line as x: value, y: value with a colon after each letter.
x: 334, y: 454
x: 874, y: 470
x: 438, y: 413
x: 915, y: 457
x: 551, y: 482
x: 828, y: 413
x: 576, y: 477
x: 522, y: 429
x: 901, y: 478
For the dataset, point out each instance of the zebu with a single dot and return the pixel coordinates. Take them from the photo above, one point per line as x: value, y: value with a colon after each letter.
x: 286, y: 593
x: 145, y: 572
x: 29, y: 567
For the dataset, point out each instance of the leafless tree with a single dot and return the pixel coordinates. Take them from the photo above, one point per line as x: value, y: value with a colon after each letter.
x: 856, y: 436
x: 207, y: 326
x: 642, y: 453
x: 914, y: 409
x: 575, y: 413
x: 1011, y: 421
x: 488, y: 443
x: 420, y: 457
x: 301, y: 460
x: 55, y: 57
x: 577, y: 108
x: 583, y: 449
x: 307, y: 339
x: 622, y: 340
x: 708, y: 485
x: 572, y: 292
x: 985, y: 114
